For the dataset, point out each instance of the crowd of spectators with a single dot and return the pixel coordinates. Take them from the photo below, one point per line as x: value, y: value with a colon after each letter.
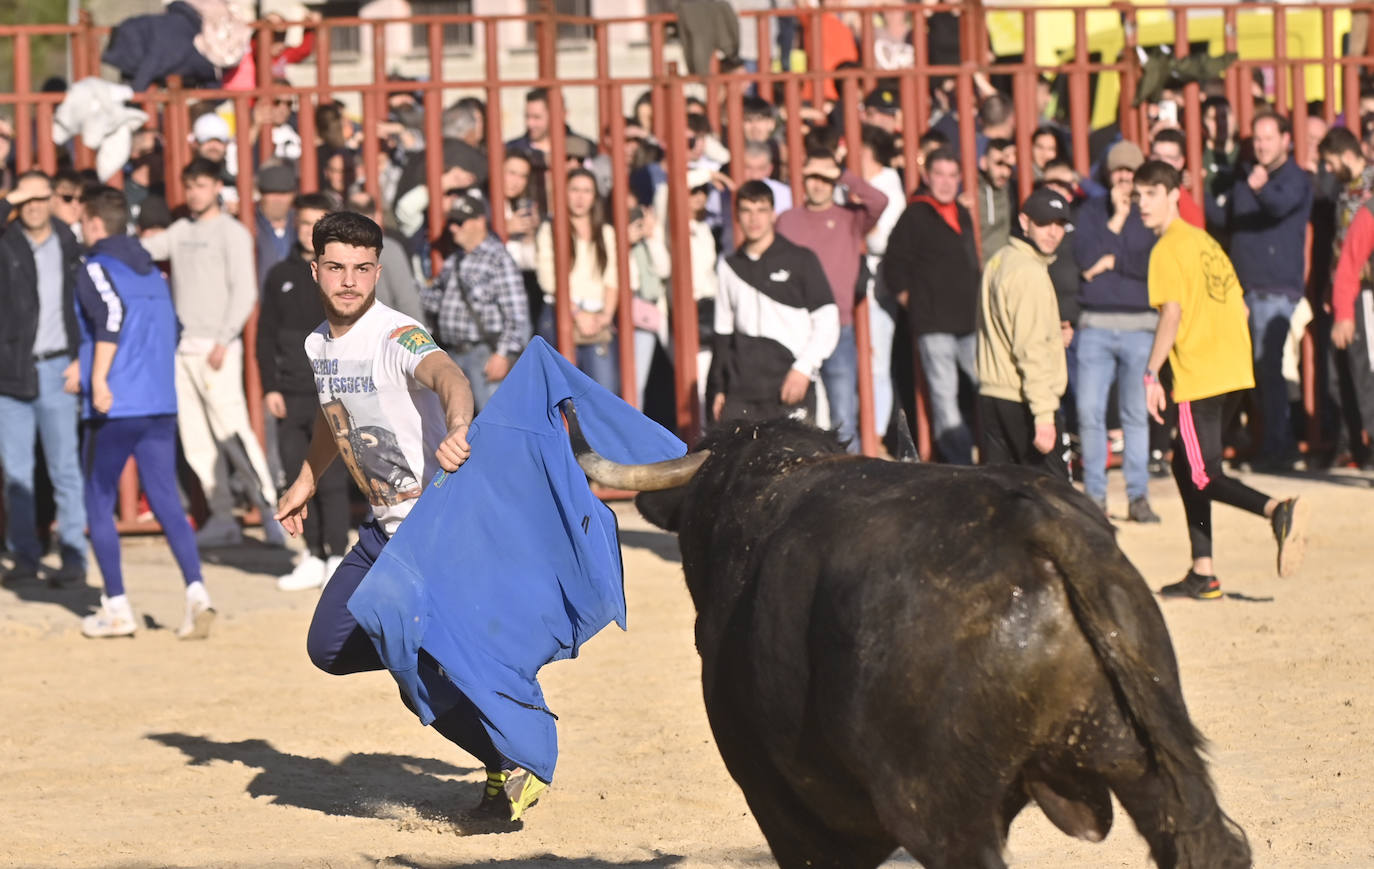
x: 775, y: 307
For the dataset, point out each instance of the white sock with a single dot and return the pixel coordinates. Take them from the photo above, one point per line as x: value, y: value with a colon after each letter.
x: 119, y: 605
x: 196, y: 593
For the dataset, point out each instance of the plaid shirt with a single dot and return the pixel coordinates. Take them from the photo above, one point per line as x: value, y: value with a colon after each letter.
x: 479, y: 298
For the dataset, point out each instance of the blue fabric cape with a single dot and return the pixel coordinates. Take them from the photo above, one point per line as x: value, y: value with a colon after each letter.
x: 510, y: 562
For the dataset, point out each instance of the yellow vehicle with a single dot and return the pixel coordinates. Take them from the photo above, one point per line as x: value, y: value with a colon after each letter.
x: 1054, y: 40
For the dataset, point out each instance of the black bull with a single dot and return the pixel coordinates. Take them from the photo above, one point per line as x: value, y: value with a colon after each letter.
x: 906, y: 655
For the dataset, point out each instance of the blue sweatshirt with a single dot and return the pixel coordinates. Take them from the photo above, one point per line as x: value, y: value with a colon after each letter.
x: 121, y: 297
x: 1124, y: 288
x: 511, y: 562
x: 1269, y: 230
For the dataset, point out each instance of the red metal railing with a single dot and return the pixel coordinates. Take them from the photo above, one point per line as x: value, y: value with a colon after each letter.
x: 168, y: 111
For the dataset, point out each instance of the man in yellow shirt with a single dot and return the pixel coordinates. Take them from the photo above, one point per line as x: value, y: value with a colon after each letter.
x: 1204, y: 336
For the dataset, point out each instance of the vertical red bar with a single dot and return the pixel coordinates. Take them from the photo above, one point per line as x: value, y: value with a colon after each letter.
x: 1079, y: 118
x: 866, y: 48
x: 496, y: 149
x: 734, y: 114
x: 1024, y: 106
x: 603, y: 84
x: 47, y: 149
x: 795, y: 154
x: 434, y: 135
x: 562, y: 236
x: 1329, y: 66
x: 1281, y: 67
x: 620, y: 218
x: 765, y: 50
x: 1192, y: 107
x: 322, y: 61
x: 684, y: 308
x: 656, y: 62
x: 968, y: 150
x: 911, y: 112
x: 547, y: 32
x: 305, y: 120
x: 863, y: 336
x: 1299, y: 119
x: 1350, y: 89
x: 375, y: 103
x: 1234, y: 75
x: 713, y: 93
x: 128, y: 493
x: 177, y: 147
x: 23, y: 118
x: 1130, y: 72
x: 77, y: 46
x: 262, y: 47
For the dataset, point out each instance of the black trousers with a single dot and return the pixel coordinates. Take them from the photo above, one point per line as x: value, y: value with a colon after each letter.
x: 326, y: 519
x: 338, y: 645
x: 1009, y: 438
x: 1198, y: 471
x: 1351, y: 373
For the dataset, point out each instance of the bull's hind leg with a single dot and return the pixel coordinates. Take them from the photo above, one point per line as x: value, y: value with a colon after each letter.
x: 801, y: 840
x: 1202, y: 837
x: 956, y: 827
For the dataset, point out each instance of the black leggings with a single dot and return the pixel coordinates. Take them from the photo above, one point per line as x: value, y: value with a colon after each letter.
x: 1198, y: 471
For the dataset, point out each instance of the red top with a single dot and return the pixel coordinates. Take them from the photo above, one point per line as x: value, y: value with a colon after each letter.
x: 1189, y: 210
x: 948, y: 210
x: 1355, y: 254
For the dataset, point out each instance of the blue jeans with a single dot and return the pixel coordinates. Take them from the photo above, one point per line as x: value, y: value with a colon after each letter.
x: 840, y: 374
x: 53, y: 416
x: 1107, y: 356
x: 943, y: 356
x: 1270, y: 314
x: 474, y: 365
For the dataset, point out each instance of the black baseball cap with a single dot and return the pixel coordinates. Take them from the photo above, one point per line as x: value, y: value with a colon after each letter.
x: 882, y: 100
x: 1045, y: 206
x: 465, y: 208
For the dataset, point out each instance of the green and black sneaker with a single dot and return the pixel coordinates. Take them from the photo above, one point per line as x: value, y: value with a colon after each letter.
x: 1290, y: 532
x: 1195, y: 586
x: 523, y: 790
x: 494, y: 805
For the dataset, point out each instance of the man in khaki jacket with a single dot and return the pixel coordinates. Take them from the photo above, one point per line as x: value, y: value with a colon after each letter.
x: 1021, y: 367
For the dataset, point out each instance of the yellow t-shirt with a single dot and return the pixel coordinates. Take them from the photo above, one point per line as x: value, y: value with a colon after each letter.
x: 1211, y: 355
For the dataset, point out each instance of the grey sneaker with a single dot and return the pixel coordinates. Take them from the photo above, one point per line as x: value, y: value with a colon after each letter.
x: 1140, y: 511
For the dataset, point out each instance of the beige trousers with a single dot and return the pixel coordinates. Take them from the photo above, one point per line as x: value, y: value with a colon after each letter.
x: 212, y: 418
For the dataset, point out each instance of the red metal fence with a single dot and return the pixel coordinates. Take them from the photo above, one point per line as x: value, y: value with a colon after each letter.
x: 1078, y: 72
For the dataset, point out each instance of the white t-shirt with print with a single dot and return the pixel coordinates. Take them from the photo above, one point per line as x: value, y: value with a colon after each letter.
x: 386, y: 424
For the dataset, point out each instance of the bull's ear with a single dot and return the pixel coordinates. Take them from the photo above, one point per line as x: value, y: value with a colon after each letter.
x: 663, y: 508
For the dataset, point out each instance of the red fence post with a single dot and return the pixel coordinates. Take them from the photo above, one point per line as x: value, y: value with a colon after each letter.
x: 562, y: 231
x: 656, y: 67
x: 1281, y: 68
x: 1023, y: 103
x: 262, y: 47
x: 684, y: 311
x: 434, y: 136
x: 795, y: 152
x: 863, y: 338
x: 496, y: 148
x: 23, y: 110
x: 1079, y: 119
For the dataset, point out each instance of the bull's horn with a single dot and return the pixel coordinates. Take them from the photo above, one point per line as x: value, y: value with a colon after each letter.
x: 635, y: 478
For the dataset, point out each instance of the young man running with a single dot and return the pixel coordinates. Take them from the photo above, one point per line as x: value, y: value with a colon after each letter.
x: 1204, y: 335
x: 397, y: 409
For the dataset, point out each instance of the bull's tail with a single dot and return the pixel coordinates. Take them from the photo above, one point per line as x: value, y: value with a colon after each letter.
x: 1114, y: 609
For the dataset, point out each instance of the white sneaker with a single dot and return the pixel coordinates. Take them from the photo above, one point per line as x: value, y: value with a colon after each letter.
x: 331, y: 565
x: 195, y: 625
x: 310, y: 573
x: 115, y: 618
x: 272, y: 532
x: 219, y: 531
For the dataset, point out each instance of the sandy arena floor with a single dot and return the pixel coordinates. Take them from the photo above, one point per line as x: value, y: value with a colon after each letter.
x: 236, y: 752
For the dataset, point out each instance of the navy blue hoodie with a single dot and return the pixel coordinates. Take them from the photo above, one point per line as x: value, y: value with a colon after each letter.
x: 1124, y: 288
x: 121, y: 297
x: 1269, y: 230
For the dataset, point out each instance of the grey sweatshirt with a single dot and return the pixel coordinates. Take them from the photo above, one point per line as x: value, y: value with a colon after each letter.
x: 214, y: 284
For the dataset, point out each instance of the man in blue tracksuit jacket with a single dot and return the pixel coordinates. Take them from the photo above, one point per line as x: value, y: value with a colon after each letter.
x: 128, y: 340
x: 1270, y: 205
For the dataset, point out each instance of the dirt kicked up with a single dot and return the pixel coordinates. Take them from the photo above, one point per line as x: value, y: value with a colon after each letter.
x: 235, y: 752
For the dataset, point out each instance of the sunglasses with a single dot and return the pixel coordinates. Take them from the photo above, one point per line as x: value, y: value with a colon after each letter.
x: 817, y: 177
x: 67, y: 197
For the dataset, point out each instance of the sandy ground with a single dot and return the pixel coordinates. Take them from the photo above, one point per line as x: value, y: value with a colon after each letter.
x: 235, y: 752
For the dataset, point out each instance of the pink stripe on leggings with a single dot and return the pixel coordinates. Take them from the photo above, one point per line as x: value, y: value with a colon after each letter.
x: 1191, y: 447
